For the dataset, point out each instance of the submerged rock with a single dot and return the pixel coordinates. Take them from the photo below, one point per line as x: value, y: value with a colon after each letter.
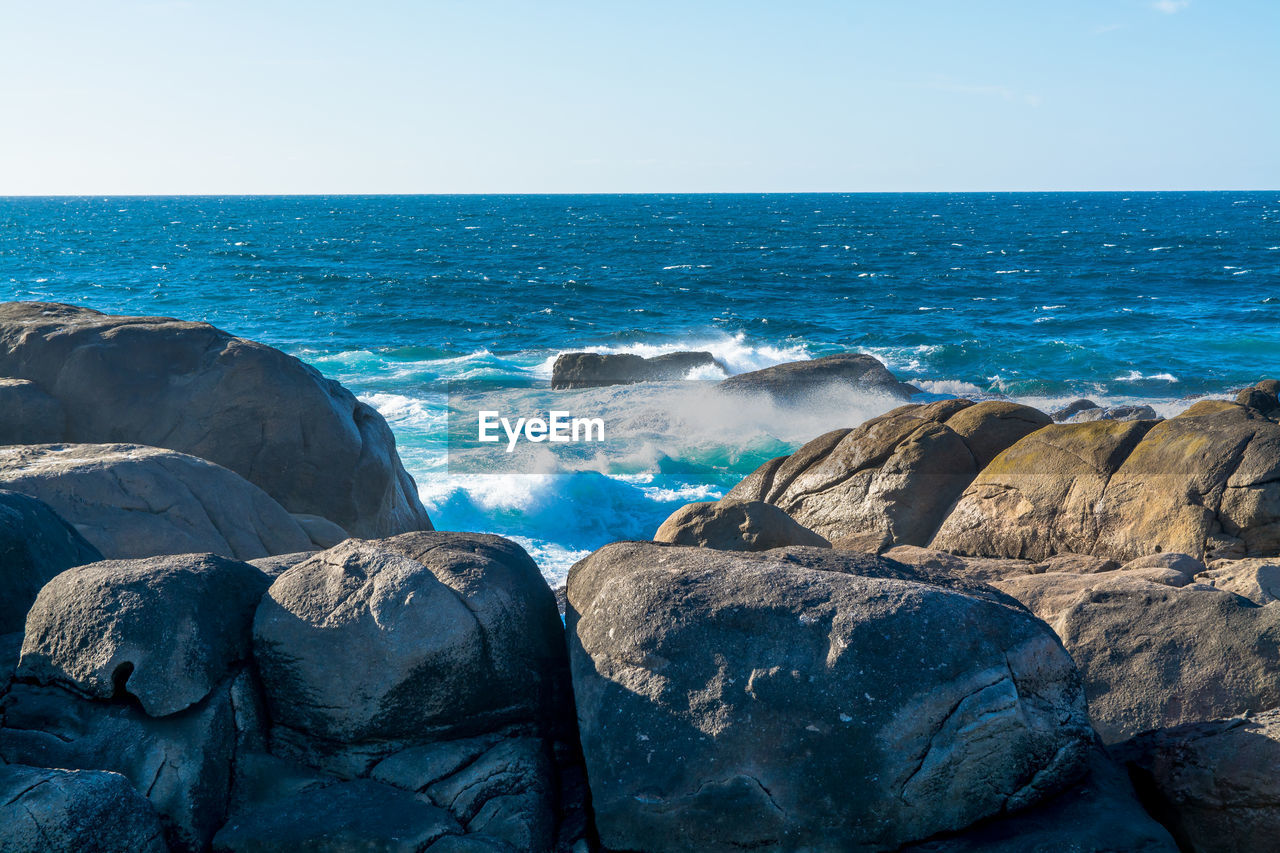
x: 595, y: 370
x: 303, y: 439
x: 35, y: 545
x: 733, y: 525
x: 803, y: 698
x: 796, y: 380
x: 131, y: 501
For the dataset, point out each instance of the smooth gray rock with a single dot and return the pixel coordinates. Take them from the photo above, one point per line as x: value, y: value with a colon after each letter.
x: 132, y: 501
x: 595, y: 370
x: 339, y: 818
x: 182, y: 763
x: 1215, y: 783
x: 1257, y: 579
x: 35, y: 545
x: 302, y: 438
x: 796, y: 380
x: 165, y: 631
x: 809, y: 699
x: 1072, y: 408
x: 417, y: 638
x: 27, y: 414
x: 734, y: 525
x: 86, y: 811
x: 1114, y: 413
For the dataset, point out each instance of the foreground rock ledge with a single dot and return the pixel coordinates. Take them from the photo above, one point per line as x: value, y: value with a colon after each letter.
x: 807, y: 699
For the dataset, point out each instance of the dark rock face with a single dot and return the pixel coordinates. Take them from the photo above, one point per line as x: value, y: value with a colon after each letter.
x: 165, y: 631
x: 182, y: 763
x: 1099, y: 814
x: 1262, y: 398
x: 87, y: 811
x: 133, y: 501
x: 1156, y: 650
x: 1214, y: 783
x: 795, y: 380
x: 1072, y: 408
x: 346, y: 816
x: 596, y: 370
x: 305, y: 440
x: 463, y: 627
x: 30, y: 415
x: 892, y: 480
x: 807, y: 699
x: 732, y: 525
x: 35, y: 544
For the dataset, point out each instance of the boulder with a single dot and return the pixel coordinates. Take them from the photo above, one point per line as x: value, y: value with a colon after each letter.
x: 463, y: 629
x: 891, y: 480
x: 795, y: 380
x: 733, y: 525
x: 346, y: 816
x: 1114, y: 413
x: 165, y: 630
x: 303, y: 439
x: 973, y: 568
x: 131, y: 501
x: 595, y: 370
x: 1256, y: 579
x: 1099, y: 814
x: 35, y: 544
x: 805, y: 698
x: 1072, y: 408
x: 1037, y: 498
x: 1204, y: 483
x: 181, y: 763
x: 1214, y: 783
x: 87, y: 811
x: 1184, y: 563
x: 1262, y: 398
x: 1155, y: 654
x: 27, y: 414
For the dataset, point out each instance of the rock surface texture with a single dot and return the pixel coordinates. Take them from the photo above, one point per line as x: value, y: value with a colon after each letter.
x: 303, y: 439
x: 732, y: 525
x: 133, y: 501
x: 807, y: 699
x: 892, y: 480
x: 1215, y: 783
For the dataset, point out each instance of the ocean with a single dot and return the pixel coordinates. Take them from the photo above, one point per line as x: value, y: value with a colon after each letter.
x: 1162, y: 298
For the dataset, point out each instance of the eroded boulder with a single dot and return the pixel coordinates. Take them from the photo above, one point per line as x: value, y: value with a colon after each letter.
x: 796, y: 380
x: 131, y: 501
x: 165, y: 631
x: 733, y: 525
x: 891, y: 480
x: 810, y: 699
x: 303, y: 439
x: 463, y: 629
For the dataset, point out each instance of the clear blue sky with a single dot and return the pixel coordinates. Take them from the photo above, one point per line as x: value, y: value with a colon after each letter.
x: 647, y: 96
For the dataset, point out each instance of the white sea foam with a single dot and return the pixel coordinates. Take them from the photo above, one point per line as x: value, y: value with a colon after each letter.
x: 1139, y: 376
x: 732, y: 351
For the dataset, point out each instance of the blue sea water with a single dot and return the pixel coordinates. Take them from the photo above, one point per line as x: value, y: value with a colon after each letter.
x: 1041, y: 297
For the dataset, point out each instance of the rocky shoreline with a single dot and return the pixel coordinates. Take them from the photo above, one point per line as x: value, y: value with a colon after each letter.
x: 227, y: 624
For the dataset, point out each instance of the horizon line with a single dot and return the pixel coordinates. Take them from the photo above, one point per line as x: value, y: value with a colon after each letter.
x: 8, y: 196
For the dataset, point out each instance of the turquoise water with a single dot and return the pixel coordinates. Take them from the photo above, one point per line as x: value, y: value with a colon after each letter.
x: 1162, y: 297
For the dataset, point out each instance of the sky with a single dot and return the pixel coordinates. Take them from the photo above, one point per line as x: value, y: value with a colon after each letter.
x: 481, y: 96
